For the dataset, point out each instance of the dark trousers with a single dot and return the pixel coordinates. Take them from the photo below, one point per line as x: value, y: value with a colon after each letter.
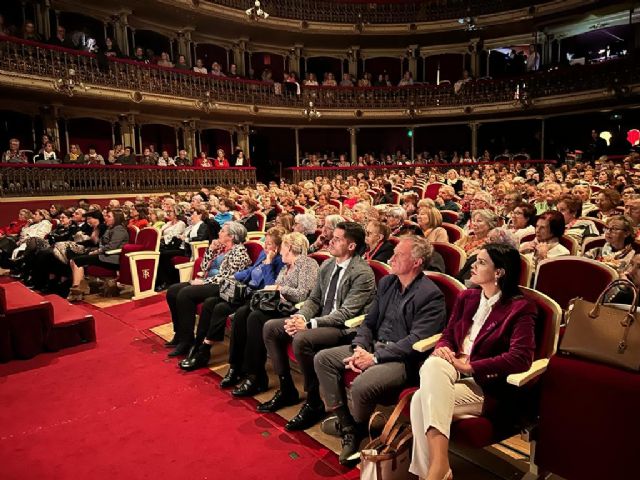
x: 305, y: 345
x: 88, y: 260
x: 247, y: 352
x: 213, y: 318
x: 167, y: 273
x: 183, y: 299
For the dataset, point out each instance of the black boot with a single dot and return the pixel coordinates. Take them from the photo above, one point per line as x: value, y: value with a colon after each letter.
x: 198, y: 358
x: 286, y: 396
x: 231, y: 378
x: 252, y: 385
x: 173, y: 342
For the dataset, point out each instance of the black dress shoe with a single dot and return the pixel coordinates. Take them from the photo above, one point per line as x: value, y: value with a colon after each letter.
x: 251, y: 386
x: 198, y: 358
x: 173, y: 342
x: 231, y: 379
x: 306, y: 418
x: 349, y: 455
x: 280, y: 400
x: 181, y: 349
x: 161, y: 287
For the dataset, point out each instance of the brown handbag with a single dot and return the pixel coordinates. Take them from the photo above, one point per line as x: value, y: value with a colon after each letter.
x: 388, y: 456
x: 604, y: 333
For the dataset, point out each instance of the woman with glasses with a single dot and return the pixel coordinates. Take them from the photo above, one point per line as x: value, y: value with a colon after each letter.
x: 570, y: 206
x: 619, y: 248
x: 523, y: 220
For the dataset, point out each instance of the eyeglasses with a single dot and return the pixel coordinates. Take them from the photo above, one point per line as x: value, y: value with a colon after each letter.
x: 614, y: 229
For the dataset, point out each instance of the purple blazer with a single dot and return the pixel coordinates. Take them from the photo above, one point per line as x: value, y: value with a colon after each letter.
x: 506, y: 342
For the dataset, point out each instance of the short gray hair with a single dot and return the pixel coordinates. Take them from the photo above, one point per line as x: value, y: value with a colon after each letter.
x: 237, y: 231
x: 298, y: 243
x: 490, y: 218
x: 397, y: 212
x: 309, y: 222
x: 421, y: 248
x: 332, y: 221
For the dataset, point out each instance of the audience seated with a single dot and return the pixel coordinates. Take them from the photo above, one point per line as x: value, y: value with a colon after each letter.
x: 345, y: 288
x: 407, y: 307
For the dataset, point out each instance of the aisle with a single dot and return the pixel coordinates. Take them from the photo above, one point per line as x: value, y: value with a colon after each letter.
x: 117, y: 409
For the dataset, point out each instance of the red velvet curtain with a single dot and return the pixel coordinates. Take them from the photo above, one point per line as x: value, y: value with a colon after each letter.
x: 260, y: 61
x: 90, y: 131
x: 162, y: 137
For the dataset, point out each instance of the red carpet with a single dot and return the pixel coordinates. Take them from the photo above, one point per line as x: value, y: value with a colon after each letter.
x: 118, y: 409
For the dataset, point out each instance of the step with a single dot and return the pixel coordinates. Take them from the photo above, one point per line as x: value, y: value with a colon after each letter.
x: 72, y: 324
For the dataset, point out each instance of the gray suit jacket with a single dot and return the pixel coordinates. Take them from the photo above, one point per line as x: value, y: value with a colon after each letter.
x: 356, y: 292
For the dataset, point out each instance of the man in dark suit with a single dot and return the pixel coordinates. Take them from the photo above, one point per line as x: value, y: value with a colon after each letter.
x: 408, y: 307
x: 345, y: 289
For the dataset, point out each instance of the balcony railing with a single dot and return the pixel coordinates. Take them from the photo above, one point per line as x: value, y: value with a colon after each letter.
x: 301, y: 174
x: 42, y: 180
x: 378, y: 12
x: 58, y: 64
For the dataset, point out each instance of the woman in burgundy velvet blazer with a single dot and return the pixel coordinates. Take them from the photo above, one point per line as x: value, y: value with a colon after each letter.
x: 490, y: 335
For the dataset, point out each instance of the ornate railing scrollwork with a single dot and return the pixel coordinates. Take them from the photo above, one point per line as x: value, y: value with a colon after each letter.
x: 45, y: 180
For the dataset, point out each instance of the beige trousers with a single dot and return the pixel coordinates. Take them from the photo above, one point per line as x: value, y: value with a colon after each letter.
x: 442, y: 397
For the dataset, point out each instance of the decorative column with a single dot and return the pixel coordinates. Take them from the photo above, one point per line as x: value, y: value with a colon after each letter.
x: 43, y: 18
x: 184, y: 45
x: 243, y: 138
x: 189, y: 137
x: 413, y: 61
x: 542, y: 124
x: 296, y: 132
x: 239, y: 50
x: 474, y: 138
x: 128, y: 130
x: 50, y: 115
x: 120, y: 32
x: 475, y: 57
x: 352, y: 57
x: 354, y: 145
x: 293, y: 59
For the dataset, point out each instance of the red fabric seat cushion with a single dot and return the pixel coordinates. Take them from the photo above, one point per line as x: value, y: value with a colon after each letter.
x: 179, y: 259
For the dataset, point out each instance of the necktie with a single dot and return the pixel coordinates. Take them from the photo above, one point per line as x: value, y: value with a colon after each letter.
x: 331, y: 294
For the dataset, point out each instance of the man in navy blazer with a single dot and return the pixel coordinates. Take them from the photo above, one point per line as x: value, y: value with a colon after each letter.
x: 408, y: 307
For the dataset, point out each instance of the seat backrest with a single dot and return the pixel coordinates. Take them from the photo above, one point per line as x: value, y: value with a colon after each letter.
x: 149, y: 239
x: 379, y: 269
x: 133, y: 233
x: 600, y: 225
x: 254, y: 249
x: 528, y: 238
x: 454, y: 257
x: 197, y: 267
x: 567, y: 277
x: 454, y: 232
x: 593, y: 242
x: 336, y: 203
x: 432, y: 190
x: 449, y: 286
x: 526, y: 269
x: 198, y: 249
x: 262, y: 220
x: 570, y: 244
x: 547, y: 322
x: 320, y: 256
x: 299, y: 209
x: 449, y: 216
x: 394, y: 241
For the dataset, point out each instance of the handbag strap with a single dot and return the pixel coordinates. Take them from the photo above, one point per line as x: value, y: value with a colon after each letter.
x: 375, y: 415
x: 595, y: 311
x: 393, y: 418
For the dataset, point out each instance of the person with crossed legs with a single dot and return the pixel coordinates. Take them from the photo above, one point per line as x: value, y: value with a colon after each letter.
x: 345, y: 289
x: 408, y: 307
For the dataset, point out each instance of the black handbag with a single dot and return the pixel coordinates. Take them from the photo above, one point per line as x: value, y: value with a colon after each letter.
x: 232, y: 291
x: 270, y: 301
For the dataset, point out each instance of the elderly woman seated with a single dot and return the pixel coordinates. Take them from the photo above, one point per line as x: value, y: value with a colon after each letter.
x: 216, y: 309
x: 619, y: 248
x: 523, y: 220
x: 570, y: 206
x: 322, y: 242
x: 482, y: 222
x: 247, y: 352
x: 549, y: 229
x: 430, y: 221
x: 223, y: 259
x: 306, y: 223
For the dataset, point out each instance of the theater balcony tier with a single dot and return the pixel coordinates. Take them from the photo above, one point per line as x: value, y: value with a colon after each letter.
x: 69, y: 77
x: 57, y: 180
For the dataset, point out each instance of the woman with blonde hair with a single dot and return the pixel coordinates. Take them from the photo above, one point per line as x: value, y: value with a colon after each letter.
x: 430, y: 221
x: 247, y: 352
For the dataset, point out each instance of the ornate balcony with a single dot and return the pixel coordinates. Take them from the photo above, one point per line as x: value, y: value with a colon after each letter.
x: 44, y: 180
x: 378, y: 12
x: 26, y: 63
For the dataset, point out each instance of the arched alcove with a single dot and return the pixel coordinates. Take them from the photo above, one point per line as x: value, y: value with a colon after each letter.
x: 162, y: 137
x: 89, y: 131
x: 154, y: 41
x: 16, y: 125
x: 214, y: 138
x: 322, y: 65
x: 260, y: 61
x: 391, y: 65
x: 210, y: 53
